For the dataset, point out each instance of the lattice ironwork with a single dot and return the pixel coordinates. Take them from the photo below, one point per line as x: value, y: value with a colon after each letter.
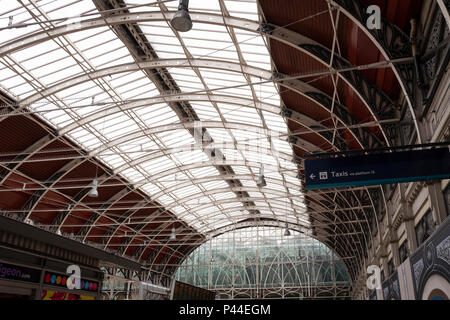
x: 262, y: 263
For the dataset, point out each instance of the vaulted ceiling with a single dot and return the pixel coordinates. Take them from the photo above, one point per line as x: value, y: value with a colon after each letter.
x: 175, y: 126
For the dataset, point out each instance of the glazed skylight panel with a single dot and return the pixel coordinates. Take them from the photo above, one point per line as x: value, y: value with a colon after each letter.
x: 205, y: 110
x: 234, y: 113
x: 219, y: 135
x: 241, y: 170
x: 217, y: 80
x: 99, y: 48
x: 67, y: 8
x: 20, y: 15
x: 205, y: 48
x: 157, y: 115
x: 186, y: 191
x: 257, y: 138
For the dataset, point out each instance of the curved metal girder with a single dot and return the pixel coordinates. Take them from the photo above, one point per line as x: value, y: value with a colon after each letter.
x: 179, y: 126
x: 342, y: 225
x: 392, y: 42
x: 18, y: 160
x: 266, y: 223
x: 71, y: 165
x: 445, y: 8
x: 152, y: 64
x: 293, y: 39
x: 282, y: 224
x: 37, y: 196
x: 298, y: 86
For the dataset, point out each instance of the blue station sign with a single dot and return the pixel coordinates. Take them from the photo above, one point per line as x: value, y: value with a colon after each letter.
x: 375, y: 169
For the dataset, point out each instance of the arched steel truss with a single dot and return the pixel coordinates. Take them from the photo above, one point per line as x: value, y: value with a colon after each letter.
x: 366, y: 91
x: 240, y: 101
x: 125, y: 191
x: 110, y: 203
x: 296, y: 85
x: 261, y: 268
x: 392, y: 42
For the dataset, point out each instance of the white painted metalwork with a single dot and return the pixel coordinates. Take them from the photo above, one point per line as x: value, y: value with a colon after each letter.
x: 81, y: 78
x: 261, y: 262
x: 66, y: 65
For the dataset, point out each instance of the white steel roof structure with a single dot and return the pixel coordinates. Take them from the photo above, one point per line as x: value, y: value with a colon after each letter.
x: 118, y: 131
x: 92, y: 87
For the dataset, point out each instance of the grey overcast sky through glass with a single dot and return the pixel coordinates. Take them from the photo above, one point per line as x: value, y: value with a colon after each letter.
x: 184, y: 182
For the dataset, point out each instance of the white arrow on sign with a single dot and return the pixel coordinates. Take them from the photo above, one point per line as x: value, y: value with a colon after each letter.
x: 312, y: 176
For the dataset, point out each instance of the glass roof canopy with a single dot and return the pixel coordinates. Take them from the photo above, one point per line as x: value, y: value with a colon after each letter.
x: 262, y: 262
x: 121, y: 117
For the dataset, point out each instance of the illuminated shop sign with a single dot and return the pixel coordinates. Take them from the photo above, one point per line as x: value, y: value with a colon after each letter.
x: 13, y: 272
x: 59, y: 280
x: 56, y: 295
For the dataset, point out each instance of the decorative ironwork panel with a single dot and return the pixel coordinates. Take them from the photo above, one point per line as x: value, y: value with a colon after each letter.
x: 262, y: 262
x: 391, y: 38
x: 435, y: 54
x: 432, y: 257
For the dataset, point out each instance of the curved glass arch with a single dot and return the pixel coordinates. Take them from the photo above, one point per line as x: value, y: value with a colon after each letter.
x: 106, y: 114
x: 263, y: 262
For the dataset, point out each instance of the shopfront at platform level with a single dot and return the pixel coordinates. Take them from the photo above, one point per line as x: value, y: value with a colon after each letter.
x: 18, y: 282
x: 26, y: 276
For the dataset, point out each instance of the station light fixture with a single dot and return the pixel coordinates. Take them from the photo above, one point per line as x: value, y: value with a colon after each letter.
x: 287, y: 233
x: 181, y: 21
x: 261, y: 180
x: 173, y: 235
x: 93, y: 193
